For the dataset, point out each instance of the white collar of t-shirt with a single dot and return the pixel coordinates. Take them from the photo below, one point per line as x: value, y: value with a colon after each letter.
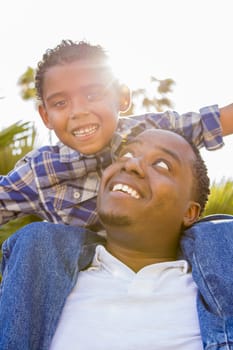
x: 112, y: 307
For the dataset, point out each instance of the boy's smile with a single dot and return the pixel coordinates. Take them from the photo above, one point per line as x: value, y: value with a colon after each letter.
x: 81, y: 104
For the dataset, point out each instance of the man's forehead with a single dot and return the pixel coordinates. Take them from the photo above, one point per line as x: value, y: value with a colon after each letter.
x: 165, y: 140
x: 158, y: 136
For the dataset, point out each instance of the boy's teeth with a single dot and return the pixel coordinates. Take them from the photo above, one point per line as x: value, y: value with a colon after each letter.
x: 85, y: 131
x: 126, y: 189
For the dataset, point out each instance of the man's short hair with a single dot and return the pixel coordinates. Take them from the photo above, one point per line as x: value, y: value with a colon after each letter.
x: 201, y: 181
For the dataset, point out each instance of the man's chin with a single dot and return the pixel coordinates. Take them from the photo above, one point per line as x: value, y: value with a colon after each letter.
x: 112, y: 219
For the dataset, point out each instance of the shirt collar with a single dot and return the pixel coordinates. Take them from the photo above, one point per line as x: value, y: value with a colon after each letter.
x: 104, y: 260
x: 68, y: 154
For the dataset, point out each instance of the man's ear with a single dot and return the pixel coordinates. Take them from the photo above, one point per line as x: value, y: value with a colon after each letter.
x: 192, y: 214
x: 124, y: 98
x: 44, y: 116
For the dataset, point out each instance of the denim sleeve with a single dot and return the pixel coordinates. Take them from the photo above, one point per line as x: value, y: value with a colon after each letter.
x: 40, y: 267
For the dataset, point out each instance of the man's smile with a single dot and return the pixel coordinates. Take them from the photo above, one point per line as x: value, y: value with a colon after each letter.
x: 119, y: 187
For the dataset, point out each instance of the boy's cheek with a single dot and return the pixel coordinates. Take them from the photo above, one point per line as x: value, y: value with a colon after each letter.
x: 45, y: 117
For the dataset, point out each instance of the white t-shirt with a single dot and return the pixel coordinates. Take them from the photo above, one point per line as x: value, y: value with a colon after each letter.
x: 113, y: 308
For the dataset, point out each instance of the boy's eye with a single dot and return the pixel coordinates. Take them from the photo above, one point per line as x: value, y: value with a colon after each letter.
x: 97, y: 92
x: 162, y: 164
x: 60, y: 103
x: 97, y: 95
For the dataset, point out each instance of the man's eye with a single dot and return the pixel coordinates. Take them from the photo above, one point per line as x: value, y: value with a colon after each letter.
x: 125, y: 155
x: 162, y: 164
x: 128, y: 155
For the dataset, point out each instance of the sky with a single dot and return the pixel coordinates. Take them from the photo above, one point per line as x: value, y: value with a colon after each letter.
x: 189, y: 41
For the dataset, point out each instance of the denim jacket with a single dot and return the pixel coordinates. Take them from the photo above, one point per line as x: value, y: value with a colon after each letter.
x: 48, y: 261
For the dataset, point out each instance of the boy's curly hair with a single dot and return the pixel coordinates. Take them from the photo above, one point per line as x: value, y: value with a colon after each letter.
x: 68, y: 51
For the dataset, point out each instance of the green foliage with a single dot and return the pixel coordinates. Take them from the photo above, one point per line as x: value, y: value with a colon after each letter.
x: 15, y: 141
x: 221, y: 198
x: 153, y: 98
x: 27, y: 84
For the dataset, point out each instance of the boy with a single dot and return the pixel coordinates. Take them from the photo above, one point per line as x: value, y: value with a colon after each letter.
x: 80, y: 101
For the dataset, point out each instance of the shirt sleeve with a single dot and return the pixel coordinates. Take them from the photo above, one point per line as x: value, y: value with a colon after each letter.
x: 18, y: 193
x: 203, y: 128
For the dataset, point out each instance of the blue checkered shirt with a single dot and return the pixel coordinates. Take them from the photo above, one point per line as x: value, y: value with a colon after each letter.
x: 60, y: 185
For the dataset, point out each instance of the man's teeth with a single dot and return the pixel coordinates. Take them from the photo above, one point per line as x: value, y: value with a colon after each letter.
x: 85, y: 131
x: 126, y: 189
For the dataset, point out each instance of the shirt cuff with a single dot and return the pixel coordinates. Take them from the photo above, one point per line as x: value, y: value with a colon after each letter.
x: 212, y: 130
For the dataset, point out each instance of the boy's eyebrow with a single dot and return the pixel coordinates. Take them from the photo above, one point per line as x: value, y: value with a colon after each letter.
x: 106, y: 86
x: 59, y: 93
x: 56, y: 94
x: 173, y: 154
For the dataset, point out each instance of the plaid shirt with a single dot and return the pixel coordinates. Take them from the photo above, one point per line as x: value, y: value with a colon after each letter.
x: 60, y: 185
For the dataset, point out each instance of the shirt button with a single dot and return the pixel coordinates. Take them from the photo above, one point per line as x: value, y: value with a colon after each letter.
x: 77, y: 195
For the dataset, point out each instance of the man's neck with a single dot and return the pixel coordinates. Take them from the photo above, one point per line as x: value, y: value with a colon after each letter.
x: 136, y: 259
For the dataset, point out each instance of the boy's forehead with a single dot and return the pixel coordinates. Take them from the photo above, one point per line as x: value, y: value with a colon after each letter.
x: 82, y: 68
x: 79, y: 72
x: 90, y: 64
x: 96, y: 67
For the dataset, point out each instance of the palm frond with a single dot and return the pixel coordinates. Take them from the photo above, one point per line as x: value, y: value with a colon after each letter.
x: 15, y: 141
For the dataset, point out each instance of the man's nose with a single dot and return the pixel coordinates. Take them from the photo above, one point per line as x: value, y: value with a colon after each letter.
x: 134, y: 165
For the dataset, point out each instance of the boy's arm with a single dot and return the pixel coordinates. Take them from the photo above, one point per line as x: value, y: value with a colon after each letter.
x: 18, y: 194
x: 226, y: 119
x: 203, y: 129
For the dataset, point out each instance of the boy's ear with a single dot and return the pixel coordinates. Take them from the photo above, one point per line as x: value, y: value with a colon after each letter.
x: 124, y: 98
x: 192, y: 214
x: 44, y: 116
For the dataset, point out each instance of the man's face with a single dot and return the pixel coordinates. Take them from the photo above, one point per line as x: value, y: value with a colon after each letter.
x: 149, y: 186
x: 80, y: 105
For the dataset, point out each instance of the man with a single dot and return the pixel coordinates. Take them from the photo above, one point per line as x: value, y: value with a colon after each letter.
x: 133, y: 290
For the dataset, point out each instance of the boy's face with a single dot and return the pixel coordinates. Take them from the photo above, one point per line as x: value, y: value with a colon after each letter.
x: 81, y: 105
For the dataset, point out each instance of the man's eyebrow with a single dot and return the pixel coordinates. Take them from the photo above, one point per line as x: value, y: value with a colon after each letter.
x: 172, y: 154
x: 163, y: 149
x: 132, y: 142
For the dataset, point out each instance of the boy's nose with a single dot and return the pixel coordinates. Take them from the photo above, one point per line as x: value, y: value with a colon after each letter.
x: 79, y: 108
x: 134, y: 165
x: 75, y: 115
